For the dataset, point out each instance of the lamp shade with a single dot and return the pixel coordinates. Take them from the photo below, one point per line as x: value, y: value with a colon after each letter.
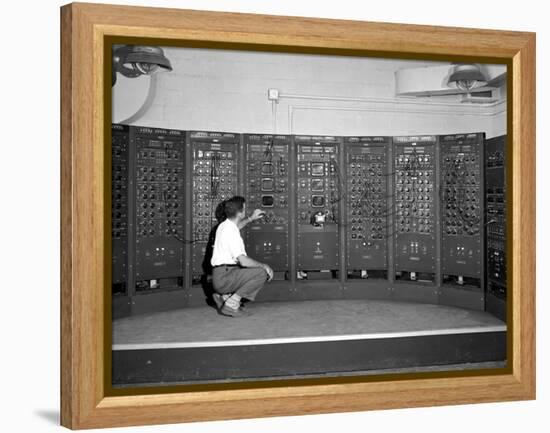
x: 467, y: 77
x: 146, y: 54
x: 135, y: 60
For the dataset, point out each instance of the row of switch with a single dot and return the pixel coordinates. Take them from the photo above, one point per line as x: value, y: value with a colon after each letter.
x: 405, y: 159
x: 214, y: 180
x: 460, y: 175
x: 159, y: 154
x: 367, y: 158
x: 159, y: 193
x: 367, y: 190
x: 414, y: 192
x: 119, y: 189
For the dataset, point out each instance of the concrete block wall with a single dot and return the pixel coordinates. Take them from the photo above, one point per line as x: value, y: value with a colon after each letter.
x: 221, y: 90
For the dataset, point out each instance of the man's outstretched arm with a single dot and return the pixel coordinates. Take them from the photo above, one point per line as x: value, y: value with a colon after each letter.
x: 257, y: 214
x: 243, y: 222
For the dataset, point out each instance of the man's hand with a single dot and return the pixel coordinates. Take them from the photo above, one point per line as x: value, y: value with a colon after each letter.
x: 257, y: 214
x: 269, y: 271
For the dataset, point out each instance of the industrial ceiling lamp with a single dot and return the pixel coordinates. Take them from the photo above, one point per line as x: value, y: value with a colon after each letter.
x: 135, y: 60
x: 466, y: 77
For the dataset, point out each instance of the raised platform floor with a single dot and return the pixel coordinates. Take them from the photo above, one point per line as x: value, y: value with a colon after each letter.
x: 291, y: 339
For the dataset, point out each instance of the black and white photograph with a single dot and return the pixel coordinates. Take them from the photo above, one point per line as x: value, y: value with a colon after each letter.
x: 294, y: 216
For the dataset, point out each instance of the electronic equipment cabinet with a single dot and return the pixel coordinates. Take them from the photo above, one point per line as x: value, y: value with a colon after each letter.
x: 418, y: 218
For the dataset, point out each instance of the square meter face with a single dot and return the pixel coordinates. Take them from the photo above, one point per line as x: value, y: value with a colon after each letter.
x: 318, y: 200
x: 267, y: 184
x: 317, y: 185
x: 267, y: 200
x: 267, y: 169
x: 317, y: 169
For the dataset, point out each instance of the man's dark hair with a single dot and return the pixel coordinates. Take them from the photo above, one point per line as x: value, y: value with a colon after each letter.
x: 233, y: 206
x: 219, y: 213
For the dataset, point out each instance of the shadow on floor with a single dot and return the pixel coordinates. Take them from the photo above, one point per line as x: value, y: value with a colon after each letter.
x: 50, y: 415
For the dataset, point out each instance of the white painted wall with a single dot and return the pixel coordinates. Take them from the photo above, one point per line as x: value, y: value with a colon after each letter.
x: 498, y: 125
x: 223, y: 90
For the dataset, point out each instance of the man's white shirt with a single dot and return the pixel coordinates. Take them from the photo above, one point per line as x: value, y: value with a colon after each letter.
x: 228, y: 244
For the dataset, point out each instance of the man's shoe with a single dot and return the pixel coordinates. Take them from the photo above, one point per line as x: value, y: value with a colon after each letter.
x: 228, y: 311
x: 218, y: 299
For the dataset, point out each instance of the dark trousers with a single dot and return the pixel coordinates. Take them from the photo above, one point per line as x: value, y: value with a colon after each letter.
x: 245, y: 282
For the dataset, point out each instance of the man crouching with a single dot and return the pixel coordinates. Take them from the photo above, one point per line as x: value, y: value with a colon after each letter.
x: 235, y: 275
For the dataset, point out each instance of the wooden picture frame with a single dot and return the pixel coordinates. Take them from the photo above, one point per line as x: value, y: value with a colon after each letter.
x: 86, y: 398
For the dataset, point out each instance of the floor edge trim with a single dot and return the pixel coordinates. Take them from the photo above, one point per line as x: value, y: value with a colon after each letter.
x: 311, y: 339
